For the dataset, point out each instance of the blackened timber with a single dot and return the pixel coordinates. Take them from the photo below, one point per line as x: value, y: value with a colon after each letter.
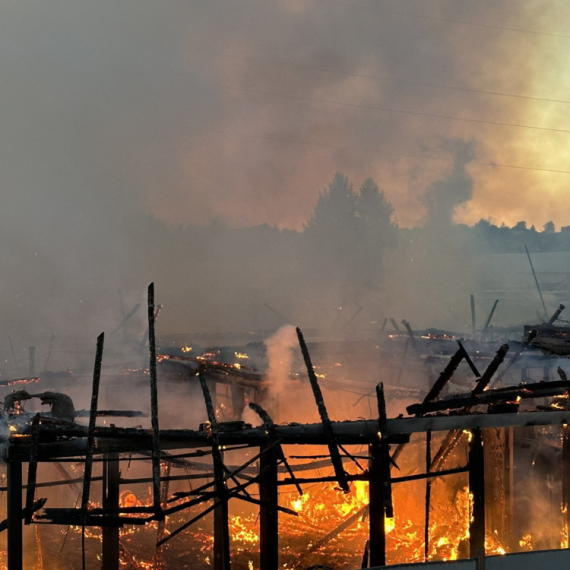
x: 161, y: 530
x: 454, y: 436
x: 238, y: 400
x: 153, y: 401
x: 477, y: 491
x: 221, y: 514
x: 490, y: 317
x: 445, y: 376
x: 483, y: 382
x: 531, y: 336
x: 428, y: 496
x: 436, y: 389
x: 566, y: 479
x: 15, y: 515
x: 270, y: 427
x: 468, y: 359
x: 366, y: 477
x: 91, y: 428
x: 36, y: 506
x: 268, y: 514
x: 536, y: 280
x: 332, y: 445
x: 111, y: 491
x: 395, y: 325
x: 32, y: 469
x: 347, y: 523
x: 555, y: 315
x: 384, y: 450
x: 521, y: 392
x: 376, y: 505
x: 410, y: 335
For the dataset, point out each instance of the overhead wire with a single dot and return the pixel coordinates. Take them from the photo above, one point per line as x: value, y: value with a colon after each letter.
x: 392, y: 110
x: 373, y: 150
x: 385, y: 79
x: 444, y: 19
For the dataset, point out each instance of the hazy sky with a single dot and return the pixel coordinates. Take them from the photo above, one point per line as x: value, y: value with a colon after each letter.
x: 243, y: 110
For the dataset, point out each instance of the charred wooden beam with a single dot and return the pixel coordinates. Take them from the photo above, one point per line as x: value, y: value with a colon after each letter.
x: 436, y: 389
x: 536, y: 281
x: 270, y: 427
x: 332, y: 444
x: 161, y: 530
x: 477, y: 491
x: 15, y: 515
x: 376, y: 507
x: 221, y: 514
x: 555, y: 315
x: 427, y: 497
x: 520, y: 392
x: 32, y: 469
x: 566, y: 480
x: 153, y: 401
x: 384, y: 450
x: 36, y: 506
x: 468, y: 359
x: 490, y: 317
x: 410, y: 335
x: 91, y: 428
x: 395, y: 325
x: 269, y: 513
x: 483, y: 382
x: 111, y: 492
x: 516, y: 356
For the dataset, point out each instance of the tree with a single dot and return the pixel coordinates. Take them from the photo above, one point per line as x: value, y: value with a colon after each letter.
x: 331, y: 234
x: 336, y: 207
x: 549, y: 228
x: 376, y: 231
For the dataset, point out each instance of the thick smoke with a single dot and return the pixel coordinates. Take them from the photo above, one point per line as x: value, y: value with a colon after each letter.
x: 119, y: 118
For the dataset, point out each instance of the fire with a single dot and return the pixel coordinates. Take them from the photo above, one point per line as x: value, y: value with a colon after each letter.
x: 241, y: 355
x: 186, y: 349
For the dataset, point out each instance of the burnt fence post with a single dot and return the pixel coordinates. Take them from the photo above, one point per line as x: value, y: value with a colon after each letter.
x: 477, y: 494
x: 376, y: 509
x: 15, y: 533
x: 268, y: 513
x: 111, y: 492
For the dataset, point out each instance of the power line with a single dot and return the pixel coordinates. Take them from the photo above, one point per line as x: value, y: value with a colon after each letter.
x: 387, y: 79
x: 392, y: 110
x: 373, y: 150
x: 453, y: 20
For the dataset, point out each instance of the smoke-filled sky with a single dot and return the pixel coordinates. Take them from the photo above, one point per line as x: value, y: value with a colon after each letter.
x: 242, y: 110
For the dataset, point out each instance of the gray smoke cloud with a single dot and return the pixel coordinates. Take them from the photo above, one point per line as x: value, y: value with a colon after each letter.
x: 116, y: 115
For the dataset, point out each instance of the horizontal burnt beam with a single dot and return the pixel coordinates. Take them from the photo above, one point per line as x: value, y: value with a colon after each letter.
x: 350, y: 433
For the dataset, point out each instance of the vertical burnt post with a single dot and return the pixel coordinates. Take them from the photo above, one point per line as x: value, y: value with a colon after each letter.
x: 153, y: 402
x: 566, y: 483
x: 238, y: 401
x: 376, y: 507
x: 477, y: 494
x: 111, y: 492
x: 268, y: 513
x: 32, y: 360
x: 380, y: 490
x: 428, y: 496
x: 15, y: 537
x: 221, y: 513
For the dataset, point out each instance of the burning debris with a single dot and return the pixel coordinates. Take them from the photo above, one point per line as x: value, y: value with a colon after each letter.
x: 437, y: 485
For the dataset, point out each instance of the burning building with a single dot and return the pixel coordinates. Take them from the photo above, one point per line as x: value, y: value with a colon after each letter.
x: 463, y: 478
